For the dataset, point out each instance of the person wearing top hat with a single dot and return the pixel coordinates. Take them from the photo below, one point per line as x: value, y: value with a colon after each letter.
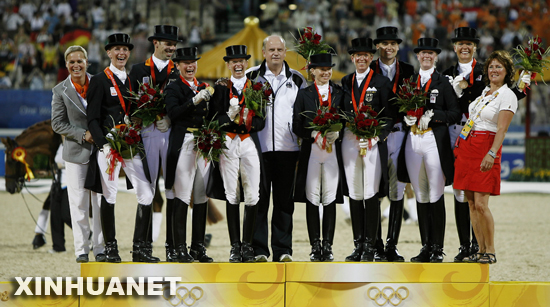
x: 318, y: 175
x: 158, y: 70
x: 426, y: 158
x: 387, y: 43
x: 187, y: 105
x: 466, y: 77
x: 242, y: 157
x: 108, y: 106
x: 366, y: 176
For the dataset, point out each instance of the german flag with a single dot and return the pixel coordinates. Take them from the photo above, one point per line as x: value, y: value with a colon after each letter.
x: 79, y: 37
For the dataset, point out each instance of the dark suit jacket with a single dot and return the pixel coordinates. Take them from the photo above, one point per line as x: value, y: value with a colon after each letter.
x: 141, y: 70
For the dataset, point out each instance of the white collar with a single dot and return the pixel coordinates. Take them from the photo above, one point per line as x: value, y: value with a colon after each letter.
x: 425, y: 75
x: 388, y: 70
x: 361, y: 76
x: 121, y: 74
x: 465, y: 69
x: 160, y: 64
x: 270, y: 73
x: 238, y: 83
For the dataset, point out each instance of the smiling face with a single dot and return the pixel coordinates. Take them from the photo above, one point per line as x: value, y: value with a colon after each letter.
x: 76, y: 64
x: 164, y: 49
x: 322, y: 74
x: 387, y: 50
x: 426, y: 58
x: 187, y: 68
x: 361, y: 60
x: 496, y: 73
x: 237, y: 67
x: 464, y: 51
x: 119, y: 56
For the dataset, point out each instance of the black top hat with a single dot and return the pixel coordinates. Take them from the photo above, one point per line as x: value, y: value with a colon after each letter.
x: 165, y: 32
x: 427, y: 43
x: 236, y: 52
x: 465, y: 34
x: 387, y: 34
x: 320, y: 60
x: 361, y: 44
x: 186, y: 54
x: 118, y: 39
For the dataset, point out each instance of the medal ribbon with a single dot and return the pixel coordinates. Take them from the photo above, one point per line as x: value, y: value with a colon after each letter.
x: 187, y: 83
x: 418, y: 86
x: 329, y: 95
x: 472, y: 74
x: 151, y: 63
x: 362, y: 93
x: 109, y: 74
x: 395, y: 79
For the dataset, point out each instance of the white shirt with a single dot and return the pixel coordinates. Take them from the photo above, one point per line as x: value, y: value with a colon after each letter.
x: 160, y: 64
x: 425, y: 75
x: 465, y: 69
x: 503, y: 99
x: 323, y: 90
x: 360, y: 77
x: 238, y: 83
x: 388, y: 70
x: 275, y: 81
x: 121, y: 74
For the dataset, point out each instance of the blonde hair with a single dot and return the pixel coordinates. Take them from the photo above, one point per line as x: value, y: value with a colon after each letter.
x: 76, y: 48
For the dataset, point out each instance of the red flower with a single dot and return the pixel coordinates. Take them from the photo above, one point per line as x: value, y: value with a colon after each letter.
x: 375, y: 122
x: 316, y: 120
x: 129, y: 140
x: 364, y: 109
x: 535, y: 47
x: 336, y: 117
x: 257, y: 86
x: 201, y: 146
x: 144, y: 98
x: 328, y: 115
x: 527, y: 51
x: 133, y: 134
x: 319, y: 112
x: 324, y: 103
x: 317, y: 37
x: 268, y: 92
x: 308, y: 35
x: 316, y: 42
x: 308, y: 29
x: 217, y: 144
x: 151, y: 91
x: 373, y: 113
x: 539, y: 57
x: 332, y: 110
x: 360, y: 117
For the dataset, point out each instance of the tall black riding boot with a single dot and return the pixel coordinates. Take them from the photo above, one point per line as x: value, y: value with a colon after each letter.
x: 462, y: 218
x: 372, y: 217
x: 423, y: 210
x: 357, y: 214
x: 314, y: 231
x: 179, y: 230
x: 329, y: 226
x: 169, y: 244
x: 140, y: 251
x: 438, y: 231
x: 394, y: 229
x: 198, y: 248
x: 107, y: 213
x: 234, y: 227
x: 249, y: 223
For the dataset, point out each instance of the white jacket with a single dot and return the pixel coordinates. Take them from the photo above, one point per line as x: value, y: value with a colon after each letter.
x: 277, y: 134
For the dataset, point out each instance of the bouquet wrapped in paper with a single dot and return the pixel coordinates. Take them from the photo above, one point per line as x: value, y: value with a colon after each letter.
x: 326, y: 119
x: 150, y: 103
x: 210, y: 141
x: 365, y: 125
x: 532, y: 59
x: 125, y: 142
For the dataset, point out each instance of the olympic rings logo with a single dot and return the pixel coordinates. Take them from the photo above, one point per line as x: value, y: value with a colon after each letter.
x: 388, y: 295
x: 183, y: 296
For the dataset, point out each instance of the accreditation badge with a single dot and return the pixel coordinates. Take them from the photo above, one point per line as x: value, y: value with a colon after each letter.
x: 113, y: 91
x: 145, y: 80
x: 467, y: 128
x: 433, y: 95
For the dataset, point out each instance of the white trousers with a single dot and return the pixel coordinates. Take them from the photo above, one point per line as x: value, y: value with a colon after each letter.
x: 424, y: 167
x: 241, y: 159
x: 134, y: 172
x: 322, y: 176
x: 454, y: 131
x: 363, y: 173
x: 394, y: 142
x: 191, y: 173
x: 156, y: 149
x: 80, y: 200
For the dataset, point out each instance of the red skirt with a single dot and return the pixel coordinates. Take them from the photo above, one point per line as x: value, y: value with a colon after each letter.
x: 468, y: 157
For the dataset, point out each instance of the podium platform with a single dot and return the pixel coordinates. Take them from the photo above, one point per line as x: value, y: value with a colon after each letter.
x: 300, y: 284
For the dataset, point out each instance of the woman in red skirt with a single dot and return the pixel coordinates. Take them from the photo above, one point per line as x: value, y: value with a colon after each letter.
x: 479, y: 147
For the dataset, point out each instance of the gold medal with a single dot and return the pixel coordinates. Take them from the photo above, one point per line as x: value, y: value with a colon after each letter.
x: 463, y: 84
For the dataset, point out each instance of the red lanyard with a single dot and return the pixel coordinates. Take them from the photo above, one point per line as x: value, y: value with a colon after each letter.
x: 362, y: 93
x: 194, y: 80
x: 396, y: 79
x: 321, y: 98
x: 151, y: 63
x: 472, y: 74
x: 120, y: 98
x: 231, y: 95
x: 427, y: 84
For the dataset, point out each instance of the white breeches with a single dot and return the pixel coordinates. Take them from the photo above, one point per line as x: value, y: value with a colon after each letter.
x: 156, y: 149
x: 454, y: 131
x: 241, y: 159
x: 322, y: 176
x: 134, y: 172
x: 424, y: 167
x: 191, y: 173
x: 80, y: 200
x: 363, y: 173
x: 394, y: 142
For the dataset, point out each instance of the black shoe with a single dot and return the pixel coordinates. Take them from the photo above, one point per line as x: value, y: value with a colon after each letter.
x: 379, y: 254
x: 207, y: 239
x: 316, y: 252
x: 368, y: 253
x: 437, y: 253
x: 392, y: 255
x: 170, y: 253
x: 141, y: 253
x: 463, y: 254
x: 424, y: 256
x: 474, y: 248
x: 82, y: 258
x: 235, y: 253
x: 198, y: 252
x: 327, y: 252
x: 100, y: 257
x: 38, y: 241
x: 182, y: 254
x: 355, y: 256
x: 111, y: 252
x: 247, y: 253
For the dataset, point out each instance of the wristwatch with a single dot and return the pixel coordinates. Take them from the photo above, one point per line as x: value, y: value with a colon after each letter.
x: 492, y: 154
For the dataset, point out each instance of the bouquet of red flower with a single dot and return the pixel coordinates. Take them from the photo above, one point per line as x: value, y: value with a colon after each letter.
x: 150, y: 103
x: 310, y: 43
x: 125, y: 143
x: 210, y: 141
x: 256, y: 97
x: 531, y: 58
x: 365, y: 125
x: 411, y: 99
x: 326, y: 119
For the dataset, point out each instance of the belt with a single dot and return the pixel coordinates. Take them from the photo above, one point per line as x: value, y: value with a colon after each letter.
x: 415, y: 130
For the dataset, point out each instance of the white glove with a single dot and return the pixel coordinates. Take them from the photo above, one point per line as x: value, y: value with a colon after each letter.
x: 425, y: 120
x: 233, y: 111
x: 456, y: 85
x: 245, y: 113
x: 332, y: 136
x: 409, y: 120
x: 163, y: 124
x: 364, y: 143
x: 526, y: 77
x: 450, y: 79
x: 202, y: 95
x: 106, y: 148
x: 319, y: 140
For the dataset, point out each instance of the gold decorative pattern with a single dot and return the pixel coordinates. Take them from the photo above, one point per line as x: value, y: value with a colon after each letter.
x: 4, y: 296
x: 388, y: 295
x: 183, y: 296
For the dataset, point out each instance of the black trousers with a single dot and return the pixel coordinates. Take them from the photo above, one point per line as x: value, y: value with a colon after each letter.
x: 279, y: 171
x: 60, y: 214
